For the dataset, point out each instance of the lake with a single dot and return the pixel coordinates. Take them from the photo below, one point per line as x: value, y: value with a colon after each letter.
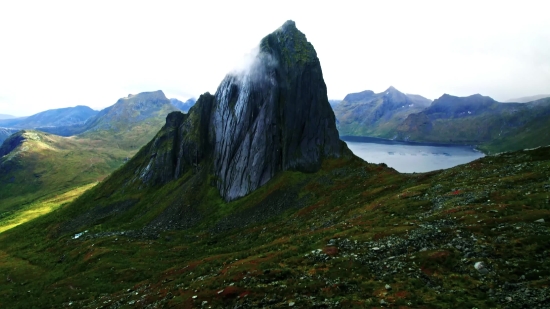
x: 407, y: 157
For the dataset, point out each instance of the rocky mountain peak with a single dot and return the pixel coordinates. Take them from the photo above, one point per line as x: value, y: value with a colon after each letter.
x: 269, y: 117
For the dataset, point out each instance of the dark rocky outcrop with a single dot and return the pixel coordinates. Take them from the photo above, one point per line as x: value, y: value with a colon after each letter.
x: 271, y: 116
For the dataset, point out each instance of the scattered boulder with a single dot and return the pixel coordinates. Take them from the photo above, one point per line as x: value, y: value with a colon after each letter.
x: 480, y: 266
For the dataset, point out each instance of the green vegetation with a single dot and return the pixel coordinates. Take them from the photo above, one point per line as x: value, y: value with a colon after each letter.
x: 39, y: 208
x: 332, y: 238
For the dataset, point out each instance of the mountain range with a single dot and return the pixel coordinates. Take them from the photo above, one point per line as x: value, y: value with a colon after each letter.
x: 482, y: 121
x: 528, y: 99
x: 4, y: 116
x: 51, y: 118
x: 376, y: 114
x: 475, y: 120
x: 250, y: 200
x: 36, y: 165
x: 183, y: 106
x: 68, y: 116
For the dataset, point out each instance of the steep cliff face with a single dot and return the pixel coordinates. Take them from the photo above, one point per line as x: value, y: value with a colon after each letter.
x: 275, y: 116
x: 271, y: 116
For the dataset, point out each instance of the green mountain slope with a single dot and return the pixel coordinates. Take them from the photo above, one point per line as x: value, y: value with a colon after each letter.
x: 332, y: 238
x: 37, y: 165
x: 376, y: 114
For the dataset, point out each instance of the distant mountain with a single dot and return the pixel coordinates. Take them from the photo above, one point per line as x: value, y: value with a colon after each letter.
x: 5, y: 133
x: 52, y: 118
x: 35, y: 165
x: 333, y: 103
x: 376, y: 114
x: 528, y: 99
x: 480, y: 120
x: 4, y: 116
x: 125, y: 113
x: 183, y: 106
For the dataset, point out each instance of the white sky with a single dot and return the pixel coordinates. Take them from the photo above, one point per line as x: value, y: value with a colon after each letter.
x: 65, y: 53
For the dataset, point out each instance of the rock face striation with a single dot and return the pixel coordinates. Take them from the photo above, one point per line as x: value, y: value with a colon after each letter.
x: 271, y: 116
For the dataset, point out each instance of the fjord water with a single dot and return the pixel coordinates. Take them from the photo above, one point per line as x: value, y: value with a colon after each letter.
x: 408, y: 157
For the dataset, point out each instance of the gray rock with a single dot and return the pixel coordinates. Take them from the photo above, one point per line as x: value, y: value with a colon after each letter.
x: 388, y: 287
x: 539, y: 221
x: 480, y: 267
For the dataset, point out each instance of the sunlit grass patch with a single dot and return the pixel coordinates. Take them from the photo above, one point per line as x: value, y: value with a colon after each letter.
x: 40, y: 208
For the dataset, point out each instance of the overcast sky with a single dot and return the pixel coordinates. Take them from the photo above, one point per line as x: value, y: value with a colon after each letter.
x: 65, y: 53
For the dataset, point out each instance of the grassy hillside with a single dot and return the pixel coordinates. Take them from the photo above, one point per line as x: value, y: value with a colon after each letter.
x: 351, y: 235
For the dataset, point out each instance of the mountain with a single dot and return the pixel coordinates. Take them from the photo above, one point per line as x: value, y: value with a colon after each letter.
x: 273, y: 116
x: 480, y: 120
x: 376, y: 114
x: 35, y: 165
x: 61, y: 117
x: 5, y: 133
x: 52, y: 118
x: 4, y: 116
x: 126, y: 113
x: 333, y: 103
x: 528, y: 99
x: 329, y: 231
x: 183, y: 106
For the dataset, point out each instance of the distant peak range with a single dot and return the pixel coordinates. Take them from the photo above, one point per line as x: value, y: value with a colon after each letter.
x: 56, y: 163
x: 474, y: 120
x: 125, y: 113
x: 4, y: 116
x: 528, y: 99
x: 183, y: 106
x: 368, y: 113
x: 51, y: 118
x: 480, y: 120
